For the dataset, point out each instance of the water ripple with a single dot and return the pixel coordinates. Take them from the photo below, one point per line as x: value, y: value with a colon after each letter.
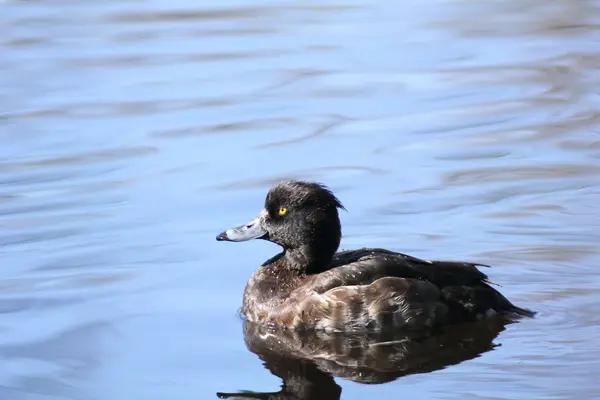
x: 131, y: 133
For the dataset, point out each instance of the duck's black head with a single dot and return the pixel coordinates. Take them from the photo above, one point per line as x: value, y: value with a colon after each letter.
x: 302, y: 217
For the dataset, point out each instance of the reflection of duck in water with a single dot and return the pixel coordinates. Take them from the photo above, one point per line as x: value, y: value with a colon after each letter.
x: 308, y: 361
x: 309, y: 285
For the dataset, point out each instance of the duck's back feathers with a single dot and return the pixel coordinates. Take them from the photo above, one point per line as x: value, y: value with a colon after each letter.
x: 377, y: 289
x: 383, y: 262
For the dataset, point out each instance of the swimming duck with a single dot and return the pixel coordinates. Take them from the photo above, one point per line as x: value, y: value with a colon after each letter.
x: 309, y: 285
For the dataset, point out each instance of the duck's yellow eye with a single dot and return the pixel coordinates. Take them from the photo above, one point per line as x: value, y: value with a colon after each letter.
x: 282, y: 211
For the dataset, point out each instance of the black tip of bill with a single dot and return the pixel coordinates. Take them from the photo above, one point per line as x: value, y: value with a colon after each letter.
x: 222, y: 236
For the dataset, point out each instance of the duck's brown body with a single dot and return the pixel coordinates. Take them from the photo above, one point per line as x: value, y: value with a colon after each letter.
x: 310, y: 286
x: 372, y: 289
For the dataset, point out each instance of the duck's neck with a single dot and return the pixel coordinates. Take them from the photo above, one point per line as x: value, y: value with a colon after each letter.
x: 308, y: 259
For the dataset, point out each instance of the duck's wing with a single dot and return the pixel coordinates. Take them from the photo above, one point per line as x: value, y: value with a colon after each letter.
x: 364, y: 266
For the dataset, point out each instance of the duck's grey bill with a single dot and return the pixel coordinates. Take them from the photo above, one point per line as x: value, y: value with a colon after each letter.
x: 252, y: 230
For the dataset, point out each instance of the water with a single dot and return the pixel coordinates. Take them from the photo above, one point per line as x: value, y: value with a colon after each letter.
x: 134, y: 131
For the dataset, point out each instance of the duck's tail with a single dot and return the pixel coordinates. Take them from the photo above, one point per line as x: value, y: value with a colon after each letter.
x: 512, y: 309
x: 523, y: 312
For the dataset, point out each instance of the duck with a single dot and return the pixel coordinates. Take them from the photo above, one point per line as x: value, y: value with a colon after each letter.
x: 310, y: 285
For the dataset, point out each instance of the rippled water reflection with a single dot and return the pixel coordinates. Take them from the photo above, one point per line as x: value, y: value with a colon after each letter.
x: 132, y: 132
